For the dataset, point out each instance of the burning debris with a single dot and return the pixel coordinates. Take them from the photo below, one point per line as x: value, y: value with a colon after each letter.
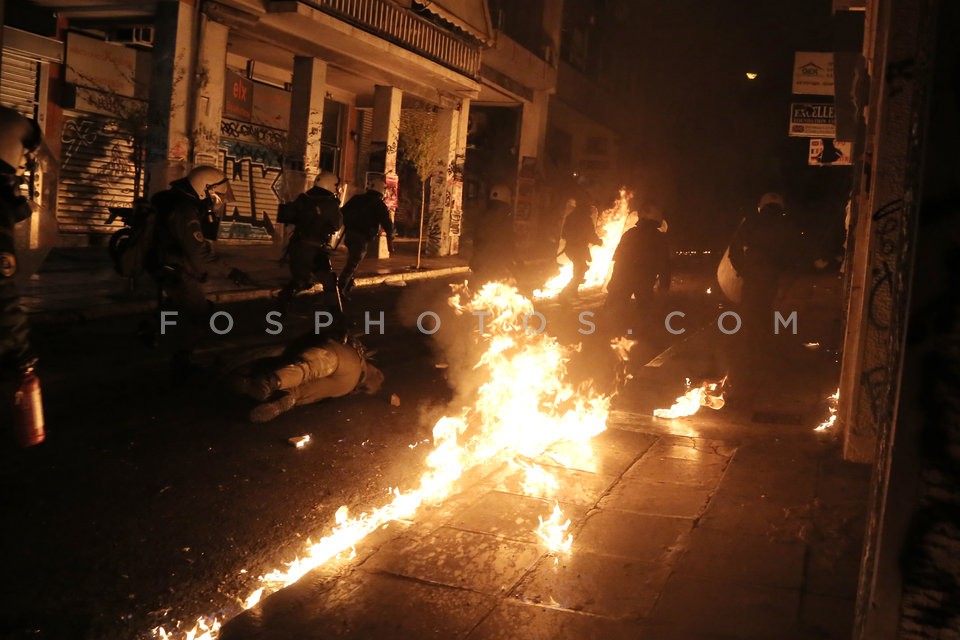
x: 553, y: 532
x: 299, y: 441
x: 611, y: 223
x: 708, y: 394
x: 832, y: 402
x: 524, y: 407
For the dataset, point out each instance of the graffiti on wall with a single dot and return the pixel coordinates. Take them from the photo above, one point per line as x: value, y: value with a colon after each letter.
x: 445, y: 213
x: 251, y: 157
x: 97, y: 171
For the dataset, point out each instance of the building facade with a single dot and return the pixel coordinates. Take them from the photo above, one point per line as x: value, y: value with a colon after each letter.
x: 132, y: 95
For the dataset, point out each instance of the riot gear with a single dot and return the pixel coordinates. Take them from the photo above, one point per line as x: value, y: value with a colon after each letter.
x: 770, y: 198
x: 329, y: 181
x: 377, y: 182
x: 19, y: 137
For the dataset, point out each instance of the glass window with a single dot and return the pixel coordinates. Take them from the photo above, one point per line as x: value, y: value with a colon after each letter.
x: 331, y: 135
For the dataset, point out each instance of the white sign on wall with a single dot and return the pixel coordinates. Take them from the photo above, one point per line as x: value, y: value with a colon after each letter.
x: 827, y: 152
x: 813, y: 73
x: 812, y: 120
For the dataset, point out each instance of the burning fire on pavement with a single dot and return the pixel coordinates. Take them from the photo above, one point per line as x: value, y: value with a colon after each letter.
x: 525, y: 406
x: 708, y: 394
x: 832, y: 401
x: 610, y: 224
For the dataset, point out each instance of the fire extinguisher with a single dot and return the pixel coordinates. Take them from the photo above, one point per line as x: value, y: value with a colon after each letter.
x: 28, y: 411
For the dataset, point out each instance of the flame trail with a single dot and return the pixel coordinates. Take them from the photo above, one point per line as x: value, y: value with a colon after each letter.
x: 611, y: 223
x: 832, y: 402
x: 525, y: 406
x: 708, y: 394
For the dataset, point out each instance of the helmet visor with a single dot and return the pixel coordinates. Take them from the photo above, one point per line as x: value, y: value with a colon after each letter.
x: 221, y: 191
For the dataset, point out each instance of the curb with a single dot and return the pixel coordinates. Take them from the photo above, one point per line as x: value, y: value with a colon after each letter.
x: 68, y: 316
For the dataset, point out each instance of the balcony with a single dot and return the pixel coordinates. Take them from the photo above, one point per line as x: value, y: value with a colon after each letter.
x: 402, y: 28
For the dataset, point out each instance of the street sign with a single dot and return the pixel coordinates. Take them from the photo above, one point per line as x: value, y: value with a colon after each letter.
x: 826, y: 152
x: 812, y: 120
x: 813, y: 73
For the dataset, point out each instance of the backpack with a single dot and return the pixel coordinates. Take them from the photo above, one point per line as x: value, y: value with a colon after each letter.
x: 133, y: 248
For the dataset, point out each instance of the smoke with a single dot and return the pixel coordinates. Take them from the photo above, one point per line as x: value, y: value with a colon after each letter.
x: 455, y: 345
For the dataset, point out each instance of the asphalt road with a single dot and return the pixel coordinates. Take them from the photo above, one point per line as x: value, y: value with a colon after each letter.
x: 152, y: 502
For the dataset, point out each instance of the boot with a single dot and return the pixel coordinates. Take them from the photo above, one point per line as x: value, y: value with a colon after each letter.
x: 270, y: 410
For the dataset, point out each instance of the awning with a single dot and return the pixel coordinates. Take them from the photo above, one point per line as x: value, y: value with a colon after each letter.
x: 472, y: 16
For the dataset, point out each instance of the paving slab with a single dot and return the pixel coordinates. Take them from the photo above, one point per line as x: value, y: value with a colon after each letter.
x: 455, y: 558
x: 694, y: 473
x: 630, y: 535
x: 569, y: 485
x: 362, y: 607
x: 513, y: 620
x: 592, y: 458
x: 826, y: 617
x: 735, y: 556
x: 594, y: 583
x: 728, y: 609
x: 658, y: 498
x: 511, y: 516
x: 754, y: 514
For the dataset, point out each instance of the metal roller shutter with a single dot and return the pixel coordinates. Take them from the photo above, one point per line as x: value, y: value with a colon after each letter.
x: 96, y: 172
x: 18, y: 83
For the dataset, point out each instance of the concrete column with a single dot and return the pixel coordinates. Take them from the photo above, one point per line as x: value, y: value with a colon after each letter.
x: 383, y: 155
x: 210, y: 75
x: 901, y: 42
x: 306, y: 119
x: 528, y: 188
x: 446, y: 189
x: 302, y: 163
x: 168, y: 142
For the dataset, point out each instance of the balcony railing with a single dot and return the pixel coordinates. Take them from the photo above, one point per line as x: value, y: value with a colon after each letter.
x: 407, y: 30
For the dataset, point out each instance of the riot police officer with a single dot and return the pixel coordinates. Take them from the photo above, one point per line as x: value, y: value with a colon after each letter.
x: 494, y: 244
x: 188, y: 218
x: 20, y: 138
x: 363, y: 217
x: 318, y: 227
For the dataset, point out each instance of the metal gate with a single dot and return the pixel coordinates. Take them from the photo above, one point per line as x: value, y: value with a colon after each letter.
x: 19, y: 76
x: 97, y: 171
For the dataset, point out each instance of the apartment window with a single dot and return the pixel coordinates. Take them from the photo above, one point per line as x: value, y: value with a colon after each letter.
x: 331, y: 135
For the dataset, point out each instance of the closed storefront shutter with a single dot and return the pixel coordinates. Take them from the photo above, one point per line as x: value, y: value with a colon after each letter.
x: 96, y: 172
x: 18, y: 83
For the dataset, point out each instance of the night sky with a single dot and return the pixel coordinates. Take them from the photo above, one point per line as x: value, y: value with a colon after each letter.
x: 710, y: 140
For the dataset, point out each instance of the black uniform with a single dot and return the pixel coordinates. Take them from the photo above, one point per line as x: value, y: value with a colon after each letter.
x: 184, y: 260
x: 494, y: 245
x: 764, y: 248
x: 15, y: 353
x: 363, y: 217
x: 316, y: 217
x: 579, y: 232
x: 642, y: 258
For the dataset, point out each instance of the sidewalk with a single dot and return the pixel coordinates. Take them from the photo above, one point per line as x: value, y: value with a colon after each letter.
x: 727, y: 524
x: 80, y: 283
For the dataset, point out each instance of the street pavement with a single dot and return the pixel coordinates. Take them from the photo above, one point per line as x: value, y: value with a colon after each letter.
x: 76, y: 284
x: 151, y: 503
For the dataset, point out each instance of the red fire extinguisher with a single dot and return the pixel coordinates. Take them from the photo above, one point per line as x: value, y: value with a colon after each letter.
x: 28, y: 411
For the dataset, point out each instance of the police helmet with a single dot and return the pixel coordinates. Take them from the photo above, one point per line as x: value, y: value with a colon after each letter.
x: 327, y: 180
x: 210, y: 182
x: 770, y: 198
x: 19, y: 136
x: 377, y: 182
